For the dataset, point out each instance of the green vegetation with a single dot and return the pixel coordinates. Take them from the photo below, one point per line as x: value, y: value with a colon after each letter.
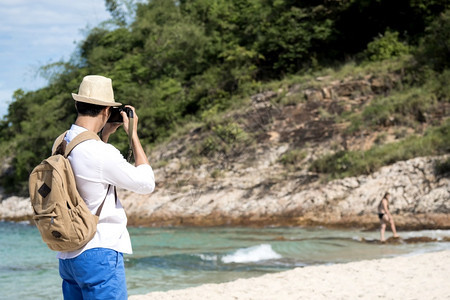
x: 386, y: 47
x: 225, y: 140
x: 406, y: 107
x: 442, y: 167
x: 292, y: 159
x: 189, y: 61
x: 351, y: 163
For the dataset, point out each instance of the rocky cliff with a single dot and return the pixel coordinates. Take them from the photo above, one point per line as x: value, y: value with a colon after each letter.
x: 232, y: 172
x: 420, y: 199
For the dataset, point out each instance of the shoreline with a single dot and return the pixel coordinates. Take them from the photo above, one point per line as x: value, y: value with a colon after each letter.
x: 420, y: 200
x: 17, y: 210
x: 414, y: 276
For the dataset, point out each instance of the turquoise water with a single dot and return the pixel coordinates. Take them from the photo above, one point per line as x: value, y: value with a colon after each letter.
x: 174, y: 258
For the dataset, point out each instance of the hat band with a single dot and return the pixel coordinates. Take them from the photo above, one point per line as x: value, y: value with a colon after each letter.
x: 95, y: 101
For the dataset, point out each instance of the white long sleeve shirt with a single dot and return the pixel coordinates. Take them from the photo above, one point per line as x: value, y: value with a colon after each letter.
x: 96, y: 165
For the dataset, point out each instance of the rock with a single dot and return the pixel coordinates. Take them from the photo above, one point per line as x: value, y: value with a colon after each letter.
x: 263, y: 97
x: 352, y: 88
x: 419, y: 200
x: 345, y: 202
x: 313, y: 95
x: 15, y: 209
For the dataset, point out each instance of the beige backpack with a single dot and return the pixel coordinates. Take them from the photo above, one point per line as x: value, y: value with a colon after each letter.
x: 60, y: 214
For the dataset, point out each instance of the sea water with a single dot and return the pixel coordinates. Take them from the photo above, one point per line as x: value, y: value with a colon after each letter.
x: 176, y: 258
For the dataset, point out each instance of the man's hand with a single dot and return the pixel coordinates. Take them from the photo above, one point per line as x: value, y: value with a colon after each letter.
x: 138, y: 152
x: 126, y: 121
x: 109, y: 129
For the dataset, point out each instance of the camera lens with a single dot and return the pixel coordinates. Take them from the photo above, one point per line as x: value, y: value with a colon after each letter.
x: 115, y: 116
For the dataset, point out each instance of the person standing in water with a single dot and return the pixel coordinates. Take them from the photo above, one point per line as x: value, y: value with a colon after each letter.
x: 385, y: 216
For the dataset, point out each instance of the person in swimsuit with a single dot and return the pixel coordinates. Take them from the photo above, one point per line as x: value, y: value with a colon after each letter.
x: 385, y: 217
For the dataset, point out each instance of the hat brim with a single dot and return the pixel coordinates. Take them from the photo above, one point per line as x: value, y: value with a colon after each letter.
x: 94, y: 101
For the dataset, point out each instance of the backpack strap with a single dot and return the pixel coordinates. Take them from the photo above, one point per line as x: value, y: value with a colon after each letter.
x: 99, y: 209
x: 84, y: 136
x: 59, y: 145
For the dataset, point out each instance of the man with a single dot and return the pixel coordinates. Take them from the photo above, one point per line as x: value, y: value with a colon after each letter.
x: 385, y: 217
x: 96, y: 271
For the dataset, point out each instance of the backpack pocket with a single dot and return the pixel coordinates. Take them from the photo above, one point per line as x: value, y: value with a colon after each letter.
x: 52, y: 226
x: 42, y: 208
x: 84, y: 222
x: 40, y: 190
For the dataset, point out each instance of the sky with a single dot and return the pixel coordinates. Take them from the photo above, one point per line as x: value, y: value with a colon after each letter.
x: 34, y: 33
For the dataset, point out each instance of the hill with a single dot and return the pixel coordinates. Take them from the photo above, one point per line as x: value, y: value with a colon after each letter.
x: 258, y: 165
x: 245, y: 100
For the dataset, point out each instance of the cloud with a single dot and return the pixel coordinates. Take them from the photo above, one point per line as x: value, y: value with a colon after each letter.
x: 47, y: 23
x: 37, y: 32
x: 49, y: 12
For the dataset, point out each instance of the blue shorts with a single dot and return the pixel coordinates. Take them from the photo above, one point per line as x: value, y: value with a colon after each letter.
x: 97, y: 273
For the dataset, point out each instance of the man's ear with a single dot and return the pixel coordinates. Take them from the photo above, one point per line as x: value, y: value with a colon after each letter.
x: 105, y: 112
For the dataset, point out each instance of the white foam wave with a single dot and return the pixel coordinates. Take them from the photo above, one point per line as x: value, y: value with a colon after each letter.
x: 436, y: 234
x: 207, y: 257
x: 251, y: 254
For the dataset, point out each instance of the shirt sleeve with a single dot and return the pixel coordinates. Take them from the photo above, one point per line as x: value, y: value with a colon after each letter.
x: 117, y: 171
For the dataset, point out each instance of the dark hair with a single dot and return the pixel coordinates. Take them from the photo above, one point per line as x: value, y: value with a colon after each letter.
x: 88, y: 109
x: 386, y: 194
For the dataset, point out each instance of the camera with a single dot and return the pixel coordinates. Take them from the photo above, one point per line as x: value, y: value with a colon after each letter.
x: 116, y: 117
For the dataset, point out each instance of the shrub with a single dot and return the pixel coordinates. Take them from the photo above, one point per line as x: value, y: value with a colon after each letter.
x: 292, y: 157
x: 385, y: 46
x: 353, y: 163
x: 442, y: 167
x: 434, y: 48
x: 406, y: 107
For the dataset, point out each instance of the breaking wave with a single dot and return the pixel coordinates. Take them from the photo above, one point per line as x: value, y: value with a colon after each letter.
x: 251, y: 254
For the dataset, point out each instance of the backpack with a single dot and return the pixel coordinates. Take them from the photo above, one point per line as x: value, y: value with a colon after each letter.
x: 61, y: 215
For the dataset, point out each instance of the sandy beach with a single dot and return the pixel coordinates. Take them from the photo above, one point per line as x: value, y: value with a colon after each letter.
x: 422, y: 276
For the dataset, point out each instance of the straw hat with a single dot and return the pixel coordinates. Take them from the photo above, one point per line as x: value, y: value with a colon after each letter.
x: 95, y: 89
